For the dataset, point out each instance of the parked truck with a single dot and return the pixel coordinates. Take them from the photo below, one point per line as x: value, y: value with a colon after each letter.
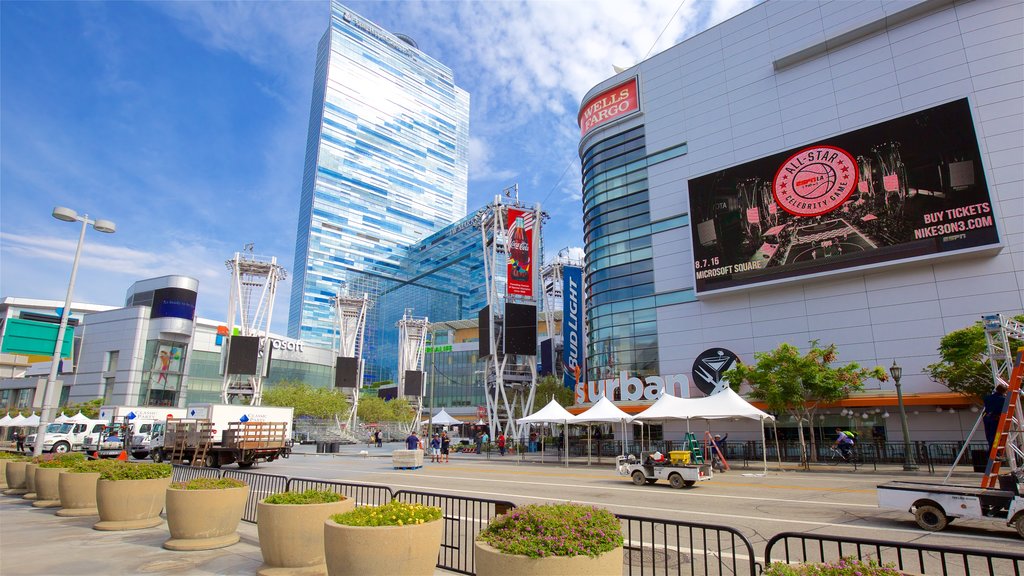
x: 66, y: 436
x: 129, y: 428
x: 215, y: 435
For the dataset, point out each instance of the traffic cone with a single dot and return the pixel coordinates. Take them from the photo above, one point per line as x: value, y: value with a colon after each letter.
x: 96, y: 455
x: 123, y: 455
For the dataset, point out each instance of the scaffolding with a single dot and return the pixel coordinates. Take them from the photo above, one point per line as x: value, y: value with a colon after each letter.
x: 250, y: 309
x: 412, y: 343
x: 350, y: 324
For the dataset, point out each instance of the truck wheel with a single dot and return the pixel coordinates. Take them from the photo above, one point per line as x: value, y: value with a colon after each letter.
x: 245, y: 465
x: 140, y: 455
x: 638, y: 478
x: 211, y: 461
x: 931, y: 517
x: 157, y: 456
x: 60, y: 448
x: 1019, y: 524
x: 676, y: 480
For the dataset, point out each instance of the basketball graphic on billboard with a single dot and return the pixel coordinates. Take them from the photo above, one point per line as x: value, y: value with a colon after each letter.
x: 815, y: 181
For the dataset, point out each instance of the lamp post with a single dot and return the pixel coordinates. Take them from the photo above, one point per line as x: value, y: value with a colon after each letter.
x: 106, y: 226
x: 908, y: 455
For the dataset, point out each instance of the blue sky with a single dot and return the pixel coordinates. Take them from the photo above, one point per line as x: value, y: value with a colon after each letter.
x: 185, y: 123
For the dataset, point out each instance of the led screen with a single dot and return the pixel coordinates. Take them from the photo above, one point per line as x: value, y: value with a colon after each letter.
x: 908, y: 187
x: 243, y: 354
x: 346, y: 372
x: 413, y: 383
x: 521, y: 329
x: 173, y: 303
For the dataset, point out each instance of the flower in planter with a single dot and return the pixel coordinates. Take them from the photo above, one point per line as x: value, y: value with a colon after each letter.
x: 118, y: 470
x: 208, y: 484
x: 307, y: 497
x: 393, y: 513
x: 545, y: 530
x: 841, y: 567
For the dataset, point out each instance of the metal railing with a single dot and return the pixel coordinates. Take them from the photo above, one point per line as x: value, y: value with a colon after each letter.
x: 363, y: 494
x: 260, y: 486
x: 663, y: 547
x: 905, y: 556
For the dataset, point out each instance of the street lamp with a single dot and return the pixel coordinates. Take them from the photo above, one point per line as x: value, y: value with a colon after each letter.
x: 908, y: 455
x: 108, y: 227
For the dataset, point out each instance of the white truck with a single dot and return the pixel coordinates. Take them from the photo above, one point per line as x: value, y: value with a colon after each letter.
x: 145, y: 421
x: 67, y: 436
x: 648, y: 471
x: 936, y: 505
x: 220, y: 434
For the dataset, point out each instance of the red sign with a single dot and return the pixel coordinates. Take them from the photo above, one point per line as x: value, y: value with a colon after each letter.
x: 609, y: 105
x: 815, y: 181
x: 520, y: 252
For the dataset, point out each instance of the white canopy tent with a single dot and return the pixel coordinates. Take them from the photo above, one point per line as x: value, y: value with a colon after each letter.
x: 18, y: 420
x: 604, y: 410
x: 32, y: 420
x: 79, y: 418
x: 724, y: 404
x: 6, y: 420
x: 553, y: 413
x: 443, y: 418
x: 62, y: 418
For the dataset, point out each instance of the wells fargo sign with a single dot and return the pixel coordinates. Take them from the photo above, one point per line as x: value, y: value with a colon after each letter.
x: 609, y: 105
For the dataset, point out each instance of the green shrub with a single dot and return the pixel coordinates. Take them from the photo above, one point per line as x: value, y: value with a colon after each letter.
x: 208, y: 484
x: 120, y: 470
x: 842, y: 567
x: 12, y: 456
x: 65, y: 460
x: 307, y: 497
x: 85, y: 466
x: 393, y: 513
x: 554, y: 530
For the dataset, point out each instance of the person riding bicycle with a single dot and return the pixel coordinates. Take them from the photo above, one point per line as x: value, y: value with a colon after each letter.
x: 844, y: 442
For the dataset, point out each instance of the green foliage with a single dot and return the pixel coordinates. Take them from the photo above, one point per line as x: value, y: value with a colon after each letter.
x: 307, y: 400
x: 90, y: 408
x: 550, y: 386
x: 964, y: 367
x: 87, y: 466
x: 401, y: 410
x: 842, y: 567
x: 307, y: 497
x: 373, y: 409
x: 119, y: 470
x: 208, y: 484
x: 12, y: 456
x: 65, y: 460
x: 393, y: 513
x: 554, y: 530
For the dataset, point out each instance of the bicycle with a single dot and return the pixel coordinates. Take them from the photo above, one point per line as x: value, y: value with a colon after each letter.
x: 835, y: 456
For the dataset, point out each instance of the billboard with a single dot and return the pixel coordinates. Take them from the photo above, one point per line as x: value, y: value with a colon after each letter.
x: 908, y: 187
x: 413, y: 383
x: 520, y: 329
x: 572, y: 326
x: 520, y: 251
x: 243, y: 355
x: 36, y: 339
x: 612, y: 104
x: 346, y: 372
x: 173, y: 303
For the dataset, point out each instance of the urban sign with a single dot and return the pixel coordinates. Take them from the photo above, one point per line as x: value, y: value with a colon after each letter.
x: 632, y: 389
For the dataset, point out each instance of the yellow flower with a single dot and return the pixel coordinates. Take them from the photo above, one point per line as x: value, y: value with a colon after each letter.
x: 399, y: 522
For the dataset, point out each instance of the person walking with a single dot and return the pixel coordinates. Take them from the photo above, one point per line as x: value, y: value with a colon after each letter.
x: 446, y: 444
x: 435, y: 449
x: 19, y: 441
x: 379, y: 437
x: 479, y: 442
x: 413, y: 441
x: 501, y: 443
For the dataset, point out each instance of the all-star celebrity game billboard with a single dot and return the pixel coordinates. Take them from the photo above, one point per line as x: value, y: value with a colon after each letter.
x: 908, y: 187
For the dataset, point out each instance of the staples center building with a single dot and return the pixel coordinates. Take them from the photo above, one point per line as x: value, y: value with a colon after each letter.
x: 847, y: 172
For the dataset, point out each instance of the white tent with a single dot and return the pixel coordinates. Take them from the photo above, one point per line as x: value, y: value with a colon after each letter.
x: 6, y: 420
x: 553, y: 413
x: 18, y: 420
x: 604, y: 410
x: 32, y: 420
x: 61, y: 419
x: 442, y: 418
x: 80, y: 418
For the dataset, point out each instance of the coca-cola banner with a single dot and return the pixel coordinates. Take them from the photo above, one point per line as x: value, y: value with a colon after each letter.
x: 609, y: 105
x: 520, y: 252
x: 909, y: 187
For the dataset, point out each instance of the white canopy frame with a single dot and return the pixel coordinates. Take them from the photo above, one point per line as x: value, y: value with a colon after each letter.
x: 604, y: 410
x: 552, y: 413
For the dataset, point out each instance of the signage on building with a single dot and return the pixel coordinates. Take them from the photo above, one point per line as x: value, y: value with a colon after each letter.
x: 708, y: 368
x: 520, y: 252
x: 905, y: 188
x: 612, y: 104
x: 632, y: 389
x: 572, y: 326
x: 441, y: 348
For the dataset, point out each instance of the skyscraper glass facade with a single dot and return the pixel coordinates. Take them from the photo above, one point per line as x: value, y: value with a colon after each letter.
x: 386, y: 167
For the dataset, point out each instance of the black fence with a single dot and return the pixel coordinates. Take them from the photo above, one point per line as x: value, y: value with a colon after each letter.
x: 905, y: 556
x: 663, y: 547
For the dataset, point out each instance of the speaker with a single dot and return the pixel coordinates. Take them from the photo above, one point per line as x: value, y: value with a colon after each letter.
x: 484, y: 325
x: 346, y: 372
x: 413, y: 383
x: 521, y: 329
x: 243, y: 355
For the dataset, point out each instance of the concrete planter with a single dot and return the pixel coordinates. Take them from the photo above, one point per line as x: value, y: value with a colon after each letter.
x: 30, y: 481
x: 15, y: 475
x: 77, y: 493
x: 130, y: 504
x: 492, y: 562
x: 47, y: 489
x: 204, y: 519
x: 292, y: 536
x: 382, y: 550
x: 3, y: 474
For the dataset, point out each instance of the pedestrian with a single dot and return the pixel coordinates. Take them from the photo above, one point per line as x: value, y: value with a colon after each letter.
x: 501, y: 443
x: 371, y: 440
x: 479, y: 442
x: 994, y: 405
x: 19, y: 441
x: 446, y: 444
x: 435, y: 449
x: 486, y: 439
x: 379, y: 437
x: 718, y: 457
x: 413, y: 441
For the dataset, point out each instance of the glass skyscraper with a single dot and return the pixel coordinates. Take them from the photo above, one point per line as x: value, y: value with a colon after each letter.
x: 386, y: 167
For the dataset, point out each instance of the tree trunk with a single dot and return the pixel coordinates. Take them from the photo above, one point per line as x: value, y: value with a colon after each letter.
x: 814, y: 439
x: 803, y: 443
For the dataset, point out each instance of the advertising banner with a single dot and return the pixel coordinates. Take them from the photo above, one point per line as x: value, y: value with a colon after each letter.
x: 612, y: 104
x: 908, y: 187
x: 520, y: 251
x: 572, y: 326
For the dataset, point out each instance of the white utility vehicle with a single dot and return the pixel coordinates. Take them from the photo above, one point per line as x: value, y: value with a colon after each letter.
x: 648, y: 471
x: 66, y: 436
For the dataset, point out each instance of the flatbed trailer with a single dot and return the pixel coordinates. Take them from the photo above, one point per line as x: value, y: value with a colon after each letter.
x: 191, y: 440
x: 936, y: 505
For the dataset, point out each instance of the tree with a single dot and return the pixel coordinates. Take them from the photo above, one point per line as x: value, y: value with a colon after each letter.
x: 964, y: 367
x: 373, y: 409
x: 90, y: 408
x: 550, y: 386
x: 798, y: 384
x: 307, y: 400
x: 401, y: 410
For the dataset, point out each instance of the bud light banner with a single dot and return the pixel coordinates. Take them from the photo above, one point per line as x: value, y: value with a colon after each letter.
x: 520, y: 252
x: 910, y: 187
x: 572, y: 326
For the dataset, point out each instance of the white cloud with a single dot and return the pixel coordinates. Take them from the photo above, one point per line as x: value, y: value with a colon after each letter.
x: 480, y: 162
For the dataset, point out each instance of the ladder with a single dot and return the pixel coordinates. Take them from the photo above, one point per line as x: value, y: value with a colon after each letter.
x: 696, y: 453
x: 1008, y: 447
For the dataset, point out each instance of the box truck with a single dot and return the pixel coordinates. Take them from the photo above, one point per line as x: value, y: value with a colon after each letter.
x: 144, y: 422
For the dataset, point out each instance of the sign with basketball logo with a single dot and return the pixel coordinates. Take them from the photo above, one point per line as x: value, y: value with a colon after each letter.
x: 909, y: 188
x: 709, y: 367
x: 815, y: 181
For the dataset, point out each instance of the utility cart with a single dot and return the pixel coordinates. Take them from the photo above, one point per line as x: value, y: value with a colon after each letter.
x: 676, y: 472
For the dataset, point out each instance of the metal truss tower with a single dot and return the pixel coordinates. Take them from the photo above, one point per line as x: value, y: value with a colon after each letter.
x: 412, y: 347
x: 250, y: 308
x: 350, y: 323
x: 509, y: 380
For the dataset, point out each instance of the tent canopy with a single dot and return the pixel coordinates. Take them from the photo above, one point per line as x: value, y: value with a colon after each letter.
x: 725, y: 404
x: 79, y: 418
x: 18, y: 420
x: 604, y: 410
x: 6, y: 420
x: 32, y: 420
x: 552, y: 413
x: 62, y: 418
x: 442, y: 418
